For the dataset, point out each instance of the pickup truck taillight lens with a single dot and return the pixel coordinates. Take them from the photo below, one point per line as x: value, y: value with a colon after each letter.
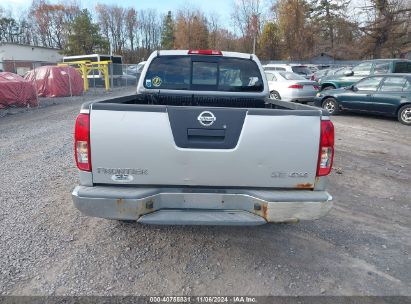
x: 82, y: 142
x: 326, y: 154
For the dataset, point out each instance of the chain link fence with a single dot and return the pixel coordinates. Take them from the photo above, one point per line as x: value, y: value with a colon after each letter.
x: 120, y: 77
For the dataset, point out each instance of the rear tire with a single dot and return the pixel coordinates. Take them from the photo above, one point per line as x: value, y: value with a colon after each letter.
x: 275, y: 95
x: 404, y: 115
x: 328, y: 87
x: 331, y: 105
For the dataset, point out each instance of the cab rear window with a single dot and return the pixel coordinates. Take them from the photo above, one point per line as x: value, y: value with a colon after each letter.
x: 204, y: 73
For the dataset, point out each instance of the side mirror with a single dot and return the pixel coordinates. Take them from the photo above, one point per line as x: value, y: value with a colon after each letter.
x: 348, y: 73
x: 354, y: 88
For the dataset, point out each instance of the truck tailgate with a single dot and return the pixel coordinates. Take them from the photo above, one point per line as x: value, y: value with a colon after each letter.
x: 166, y: 145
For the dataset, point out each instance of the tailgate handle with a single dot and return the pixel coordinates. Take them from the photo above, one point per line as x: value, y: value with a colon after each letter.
x: 206, y: 135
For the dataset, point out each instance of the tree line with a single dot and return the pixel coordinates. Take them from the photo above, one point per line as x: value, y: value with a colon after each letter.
x: 273, y: 29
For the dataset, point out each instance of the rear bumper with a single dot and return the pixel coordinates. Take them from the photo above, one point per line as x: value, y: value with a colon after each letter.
x: 201, y: 206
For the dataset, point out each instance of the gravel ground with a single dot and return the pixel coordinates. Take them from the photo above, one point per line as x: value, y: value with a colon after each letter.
x: 93, y: 93
x: 48, y: 248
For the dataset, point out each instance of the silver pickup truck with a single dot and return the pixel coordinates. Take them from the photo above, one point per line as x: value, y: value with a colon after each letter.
x: 202, y: 144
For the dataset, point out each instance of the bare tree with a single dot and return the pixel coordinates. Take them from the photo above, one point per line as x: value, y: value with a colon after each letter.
x: 103, y: 18
x: 297, y: 35
x: 52, y: 22
x: 191, y: 30
x: 226, y: 40
x: 247, y: 16
x: 213, y: 29
x: 150, y: 30
x: 387, y: 27
x: 26, y: 33
x: 131, y: 26
x: 112, y: 21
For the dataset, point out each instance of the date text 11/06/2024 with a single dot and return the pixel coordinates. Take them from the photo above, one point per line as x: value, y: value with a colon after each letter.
x: 203, y: 299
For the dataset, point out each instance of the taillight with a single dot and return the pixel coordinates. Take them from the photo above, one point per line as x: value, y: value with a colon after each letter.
x: 82, y: 142
x: 205, y: 52
x: 316, y: 87
x: 296, y: 86
x: 326, y: 153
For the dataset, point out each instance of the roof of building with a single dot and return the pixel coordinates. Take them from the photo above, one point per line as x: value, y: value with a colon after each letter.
x: 28, y: 45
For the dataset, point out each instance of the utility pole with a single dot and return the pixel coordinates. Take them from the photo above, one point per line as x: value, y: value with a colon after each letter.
x: 254, y: 26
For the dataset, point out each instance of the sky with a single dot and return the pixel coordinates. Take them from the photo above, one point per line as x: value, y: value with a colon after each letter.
x: 222, y: 8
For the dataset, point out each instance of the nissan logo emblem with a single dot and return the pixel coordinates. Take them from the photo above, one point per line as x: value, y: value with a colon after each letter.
x: 206, y: 118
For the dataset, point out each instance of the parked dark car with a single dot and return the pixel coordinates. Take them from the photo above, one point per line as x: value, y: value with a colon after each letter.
x: 388, y: 95
x: 321, y: 74
x: 364, y: 69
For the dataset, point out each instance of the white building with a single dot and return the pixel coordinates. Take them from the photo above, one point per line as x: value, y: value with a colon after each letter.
x: 20, y: 58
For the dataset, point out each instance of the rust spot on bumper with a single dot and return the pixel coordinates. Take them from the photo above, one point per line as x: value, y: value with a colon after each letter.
x: 120, y: 206
x: 264, y: 210
x: 305, y: 186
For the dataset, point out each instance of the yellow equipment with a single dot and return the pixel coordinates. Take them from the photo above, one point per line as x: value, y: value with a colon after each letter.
x: 86, y: 66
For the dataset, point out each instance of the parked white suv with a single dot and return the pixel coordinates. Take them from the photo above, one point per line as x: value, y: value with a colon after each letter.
x: 299, y: 69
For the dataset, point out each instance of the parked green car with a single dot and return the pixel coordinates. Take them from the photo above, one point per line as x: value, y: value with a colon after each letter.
x: 364, y: 69
x: 388, y: 95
